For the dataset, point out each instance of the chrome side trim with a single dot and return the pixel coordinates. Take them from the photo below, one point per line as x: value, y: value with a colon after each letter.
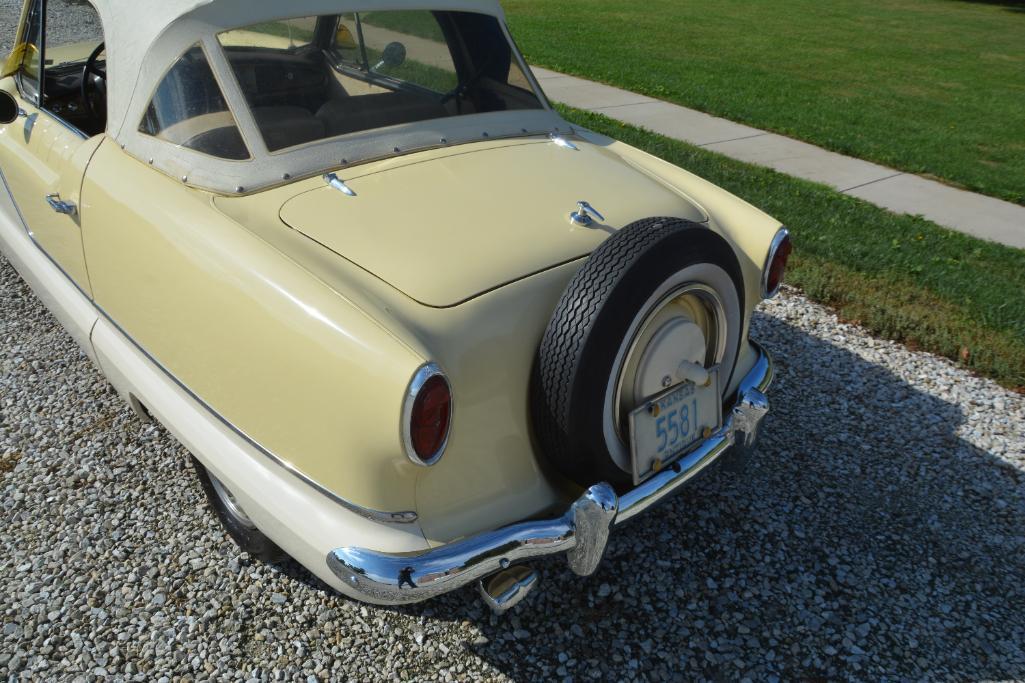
x: 581, y: 533
x: 781, y: 235
x: 401, y: 517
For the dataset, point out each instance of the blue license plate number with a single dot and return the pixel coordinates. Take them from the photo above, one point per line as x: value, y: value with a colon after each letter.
x: 672, y: 423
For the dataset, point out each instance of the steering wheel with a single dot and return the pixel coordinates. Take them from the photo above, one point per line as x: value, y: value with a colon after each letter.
x: 95, y: 77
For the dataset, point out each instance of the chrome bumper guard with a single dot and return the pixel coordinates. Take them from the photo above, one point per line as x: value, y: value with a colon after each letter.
x: 581, y: 533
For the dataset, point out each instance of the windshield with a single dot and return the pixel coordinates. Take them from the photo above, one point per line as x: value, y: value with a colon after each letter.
x: 311, y: 78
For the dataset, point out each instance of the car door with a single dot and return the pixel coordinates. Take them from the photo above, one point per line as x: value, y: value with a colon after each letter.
x: 43, y: 157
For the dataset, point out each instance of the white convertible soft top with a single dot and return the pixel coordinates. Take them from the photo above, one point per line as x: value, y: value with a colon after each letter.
x: 144, y: 38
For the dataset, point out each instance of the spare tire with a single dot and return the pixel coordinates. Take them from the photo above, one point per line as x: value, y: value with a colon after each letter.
x: 659, y: 291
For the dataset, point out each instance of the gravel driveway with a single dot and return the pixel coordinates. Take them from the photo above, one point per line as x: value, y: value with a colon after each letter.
x: 879, y: 533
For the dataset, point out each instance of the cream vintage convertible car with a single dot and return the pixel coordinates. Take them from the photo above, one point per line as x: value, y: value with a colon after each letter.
x: 417, y: 330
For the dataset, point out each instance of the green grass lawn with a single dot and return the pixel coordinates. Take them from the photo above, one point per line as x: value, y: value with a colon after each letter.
x: 899, y: 276
x: 935, y: 87
x: 419, y: 23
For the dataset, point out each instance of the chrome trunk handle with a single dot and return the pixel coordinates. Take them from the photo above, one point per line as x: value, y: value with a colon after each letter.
x: 55, y: 202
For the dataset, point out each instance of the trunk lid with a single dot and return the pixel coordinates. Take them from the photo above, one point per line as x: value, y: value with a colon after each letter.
x: 448, y: 228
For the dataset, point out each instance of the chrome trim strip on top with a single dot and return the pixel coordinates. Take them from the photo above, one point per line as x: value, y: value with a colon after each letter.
x: 581, y: 533
x: 402, y: 517
x: 70, y: 126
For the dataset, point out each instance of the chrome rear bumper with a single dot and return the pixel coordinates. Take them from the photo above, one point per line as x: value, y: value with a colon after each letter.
x: 581, y: 533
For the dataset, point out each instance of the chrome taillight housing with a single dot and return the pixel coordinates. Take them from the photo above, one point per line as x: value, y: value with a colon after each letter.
x: 776, y: 263
x: 426, y: 415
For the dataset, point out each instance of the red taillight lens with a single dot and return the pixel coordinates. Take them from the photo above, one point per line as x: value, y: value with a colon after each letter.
x: 430, y: 418
x: 777, y: 265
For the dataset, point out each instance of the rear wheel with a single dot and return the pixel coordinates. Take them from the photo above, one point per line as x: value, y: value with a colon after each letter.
x: 659, y: 294
x: 234, y: 519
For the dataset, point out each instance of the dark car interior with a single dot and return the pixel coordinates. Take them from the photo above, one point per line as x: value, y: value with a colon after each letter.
x: 312, y: 92
x: 302, y: 94
x: 77, y: 92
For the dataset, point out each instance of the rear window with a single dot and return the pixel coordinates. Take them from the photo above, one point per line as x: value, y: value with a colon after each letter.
x: 286, y: 33
x: 189, y: 110
x: 320, y: 77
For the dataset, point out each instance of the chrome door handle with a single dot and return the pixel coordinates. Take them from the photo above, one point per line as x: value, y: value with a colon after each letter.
x: 55, y: 202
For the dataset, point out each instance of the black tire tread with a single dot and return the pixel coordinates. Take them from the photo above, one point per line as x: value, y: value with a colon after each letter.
x: 562, y: 347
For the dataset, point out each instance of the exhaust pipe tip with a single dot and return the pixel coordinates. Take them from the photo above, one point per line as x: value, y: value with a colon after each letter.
x: 505, y: 589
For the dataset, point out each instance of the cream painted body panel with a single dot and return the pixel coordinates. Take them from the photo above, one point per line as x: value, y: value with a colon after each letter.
x: 265, y: 348
x: 446, y: 230
x: 490, y: 474
x: 304, y: 523
x: 292, y: 364
x: 53, y: 287
x: 307, y: 353
x: 43, y: 156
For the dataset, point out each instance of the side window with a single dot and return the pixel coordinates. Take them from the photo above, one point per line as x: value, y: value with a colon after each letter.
x: 189, y: 110
x: 73, y: 31
x: 72, y: 34
x: 29, y: 52
x: 426, y: 60
x: 346, y: 41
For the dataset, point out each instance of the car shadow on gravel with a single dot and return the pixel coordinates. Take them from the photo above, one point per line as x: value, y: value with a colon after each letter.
x: 866, y: 539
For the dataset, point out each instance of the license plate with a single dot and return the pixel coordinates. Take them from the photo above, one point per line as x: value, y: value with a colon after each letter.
x: 671, y: 423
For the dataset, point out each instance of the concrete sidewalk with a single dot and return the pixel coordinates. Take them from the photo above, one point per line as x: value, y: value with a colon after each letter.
x: 968, y: 212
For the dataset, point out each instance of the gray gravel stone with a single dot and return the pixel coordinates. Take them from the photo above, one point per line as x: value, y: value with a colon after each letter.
x: 879, y: 533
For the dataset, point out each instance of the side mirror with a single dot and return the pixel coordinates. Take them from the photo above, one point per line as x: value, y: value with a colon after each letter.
x: 394, y: 54
x: 9, y: 108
